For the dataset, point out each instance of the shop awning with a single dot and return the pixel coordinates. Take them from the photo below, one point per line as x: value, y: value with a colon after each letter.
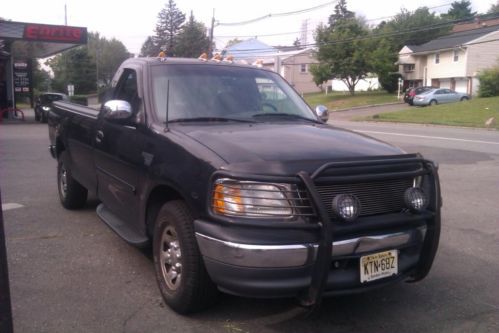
x: 43, y: 40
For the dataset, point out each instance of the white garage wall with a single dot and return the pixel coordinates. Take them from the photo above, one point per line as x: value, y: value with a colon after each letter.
x: 363, y: 85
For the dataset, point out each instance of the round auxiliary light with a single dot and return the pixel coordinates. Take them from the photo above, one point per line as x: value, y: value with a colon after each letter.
x: 346, y: 207
x: 415, y: 199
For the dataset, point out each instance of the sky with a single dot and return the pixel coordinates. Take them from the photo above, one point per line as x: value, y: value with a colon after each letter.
x: 132, y: 21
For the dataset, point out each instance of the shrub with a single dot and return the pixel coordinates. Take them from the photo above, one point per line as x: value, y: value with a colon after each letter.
x: 79, y: 99
x: 489, y: 82
x: 389, y: 82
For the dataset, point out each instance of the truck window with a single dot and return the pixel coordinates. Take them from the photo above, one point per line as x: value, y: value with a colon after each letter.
x: 127, y: 88
x: 197, y: 91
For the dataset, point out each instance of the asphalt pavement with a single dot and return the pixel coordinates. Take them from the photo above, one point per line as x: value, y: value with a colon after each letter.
x: 70, y: 273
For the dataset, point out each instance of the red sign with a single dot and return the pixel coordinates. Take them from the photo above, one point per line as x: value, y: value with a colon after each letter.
x: 55, y: 33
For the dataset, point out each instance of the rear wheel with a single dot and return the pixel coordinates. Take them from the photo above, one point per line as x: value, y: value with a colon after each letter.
x: 71, y: 193
x: 433, y: 102
x: 182, y: 277
x: 464, y: 99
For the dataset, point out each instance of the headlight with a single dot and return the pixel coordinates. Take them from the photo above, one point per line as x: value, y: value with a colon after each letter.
x: 346, y: 207
x: 46, y: 108
x: 415, y: 199
x: 251, y: 199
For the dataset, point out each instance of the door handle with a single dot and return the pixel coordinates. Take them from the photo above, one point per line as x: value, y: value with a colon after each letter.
x: 99, y: 136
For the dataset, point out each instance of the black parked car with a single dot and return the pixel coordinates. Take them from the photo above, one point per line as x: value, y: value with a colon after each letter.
x: 411, y: 92
x: 44, y: 103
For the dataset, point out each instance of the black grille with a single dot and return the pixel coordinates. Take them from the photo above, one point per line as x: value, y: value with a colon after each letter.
x: 376, y: 197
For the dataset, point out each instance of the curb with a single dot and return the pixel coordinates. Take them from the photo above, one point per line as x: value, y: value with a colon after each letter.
x: 366, y: 106
x: 484, y: 129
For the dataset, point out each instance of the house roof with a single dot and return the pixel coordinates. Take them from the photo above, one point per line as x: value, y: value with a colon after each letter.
x: 250, y: 49
x: 452, y: 40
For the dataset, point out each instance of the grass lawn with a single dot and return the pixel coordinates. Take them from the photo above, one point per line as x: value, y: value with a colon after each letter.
x: 473, y: 113
x: 343, y: 100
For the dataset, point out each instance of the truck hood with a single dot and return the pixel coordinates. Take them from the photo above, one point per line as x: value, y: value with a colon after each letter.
x: 284, y: 143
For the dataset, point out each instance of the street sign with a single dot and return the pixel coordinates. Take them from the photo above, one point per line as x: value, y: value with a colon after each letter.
x: 22, y: 76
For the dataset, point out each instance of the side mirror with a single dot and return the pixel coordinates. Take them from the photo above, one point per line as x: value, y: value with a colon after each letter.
x: 322, y: 112
x: 117, y: 110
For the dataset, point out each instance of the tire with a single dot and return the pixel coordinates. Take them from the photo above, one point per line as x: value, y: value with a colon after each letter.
x: 433, y: 102
x: 464, y: 99
x: 71, y: 193
x: 182, y: 277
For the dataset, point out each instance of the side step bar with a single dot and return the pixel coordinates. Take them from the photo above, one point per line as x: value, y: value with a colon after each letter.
x: 121, y: 228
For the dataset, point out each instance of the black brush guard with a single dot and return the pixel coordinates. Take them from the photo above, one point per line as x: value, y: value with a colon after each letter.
x: 335, y: 172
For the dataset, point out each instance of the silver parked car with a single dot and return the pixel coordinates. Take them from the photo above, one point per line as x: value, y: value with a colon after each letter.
x: 439, y: 96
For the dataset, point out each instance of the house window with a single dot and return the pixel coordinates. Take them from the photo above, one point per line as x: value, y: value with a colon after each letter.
x: 303, y: 68
x: 409, y: 67
x: 456, y: 55
x: 437, y: 58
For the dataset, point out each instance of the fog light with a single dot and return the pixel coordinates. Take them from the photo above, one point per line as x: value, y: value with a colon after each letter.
x: 346, y: 207
x: 415, y: 199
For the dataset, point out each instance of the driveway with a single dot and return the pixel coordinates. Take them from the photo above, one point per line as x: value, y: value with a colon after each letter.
x: 367, y: 111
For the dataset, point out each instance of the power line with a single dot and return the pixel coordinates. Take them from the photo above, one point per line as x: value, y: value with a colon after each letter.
x: 312, y: 30
x: 277, y: 15
x: 375, y: 36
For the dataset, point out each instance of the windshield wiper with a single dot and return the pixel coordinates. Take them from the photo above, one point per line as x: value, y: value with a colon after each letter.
x: 284, y: 115
x: 223, y: 119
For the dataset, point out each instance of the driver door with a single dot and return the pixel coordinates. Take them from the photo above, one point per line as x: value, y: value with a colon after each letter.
x: 118, y: 158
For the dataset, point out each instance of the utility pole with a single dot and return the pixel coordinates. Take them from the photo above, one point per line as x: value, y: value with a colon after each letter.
x: 210, y: 47
x: 5, y: 307
x: 97, y: 57
x: 65, y: 14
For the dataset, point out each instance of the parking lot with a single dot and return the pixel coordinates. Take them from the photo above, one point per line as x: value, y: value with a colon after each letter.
x: 70, y: 273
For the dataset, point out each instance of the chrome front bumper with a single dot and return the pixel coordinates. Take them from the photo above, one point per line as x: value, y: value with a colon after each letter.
x: 296, y: 255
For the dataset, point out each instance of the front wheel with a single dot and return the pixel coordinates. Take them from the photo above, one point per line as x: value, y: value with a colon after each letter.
x: 464, y: 99
x: 182, y: 277
x: 71, y: 193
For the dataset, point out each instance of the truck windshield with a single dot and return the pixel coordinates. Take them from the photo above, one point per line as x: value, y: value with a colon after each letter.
x: 215, y: 92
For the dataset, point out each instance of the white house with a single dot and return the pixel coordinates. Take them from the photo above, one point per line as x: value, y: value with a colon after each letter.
x: 453, y: 61
x: 293, y: 65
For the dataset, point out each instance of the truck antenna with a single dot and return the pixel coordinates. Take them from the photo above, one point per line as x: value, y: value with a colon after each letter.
x: 167, y: 103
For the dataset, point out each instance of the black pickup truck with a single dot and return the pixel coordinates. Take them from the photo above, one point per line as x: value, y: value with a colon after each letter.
x: 239, y: 186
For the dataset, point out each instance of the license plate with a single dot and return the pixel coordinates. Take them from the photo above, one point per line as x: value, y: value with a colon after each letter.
x: 378, y: 265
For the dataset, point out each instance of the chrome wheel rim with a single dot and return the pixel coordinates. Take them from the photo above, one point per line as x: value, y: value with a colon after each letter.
x: 63, y: 181
x: 170, y: 258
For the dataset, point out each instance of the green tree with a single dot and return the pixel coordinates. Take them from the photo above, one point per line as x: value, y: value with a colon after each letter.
x: 108, y: 54
x: 344, y: 48
x: 494, y: 9
x: 149, y: 48
x: 459, y: 10
x: 41, y: 77
x: 75, y: 67
x: 340, y: 14
x: 320, y: 73
x: 489, y: 82
x: 192, y: 39
x: 406, y: 28
x: 383, y: 58
x: 412, y: 28
x: 170, y: 20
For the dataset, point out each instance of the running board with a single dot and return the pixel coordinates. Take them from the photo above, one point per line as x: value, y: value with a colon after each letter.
x: 121, y: 228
